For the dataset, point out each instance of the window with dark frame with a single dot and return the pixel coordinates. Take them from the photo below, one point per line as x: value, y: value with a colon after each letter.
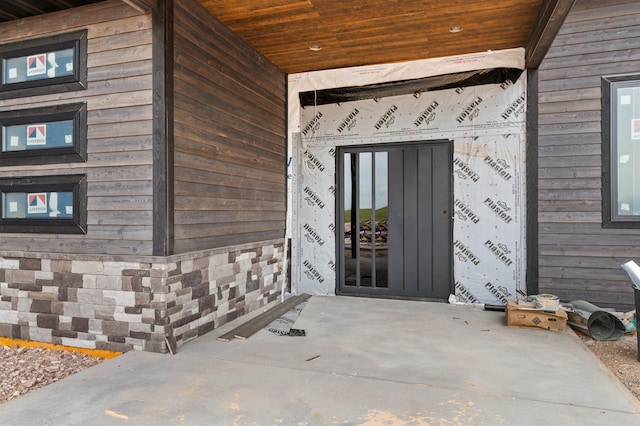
x: 44, y: 65
x: 44, y: 204
x: 46, y: 135
x: 621, y: 151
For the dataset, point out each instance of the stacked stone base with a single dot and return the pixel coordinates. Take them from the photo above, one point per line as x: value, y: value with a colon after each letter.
x: 121, y: 304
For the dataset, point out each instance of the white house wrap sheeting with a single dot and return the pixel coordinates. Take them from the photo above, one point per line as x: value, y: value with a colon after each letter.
x: 487, y: 126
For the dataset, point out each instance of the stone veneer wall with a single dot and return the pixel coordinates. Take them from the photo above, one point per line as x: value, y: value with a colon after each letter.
x: 117, y: 304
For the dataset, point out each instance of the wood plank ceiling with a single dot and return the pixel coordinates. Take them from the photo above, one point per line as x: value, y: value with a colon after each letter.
x: 362, y: 32
x: 365, y: 32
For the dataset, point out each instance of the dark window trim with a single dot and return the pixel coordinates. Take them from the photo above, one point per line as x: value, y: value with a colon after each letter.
x: 610, y: 219
x: 78, y: 81
x: 163, y: 138
x: 532, y: 234
x: 66, y: 154
x: 66, y: 183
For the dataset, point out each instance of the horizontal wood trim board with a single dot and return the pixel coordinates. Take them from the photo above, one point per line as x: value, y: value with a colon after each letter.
x: 626, y: 65
x: 575, y: 205
x: 121, y: 217
x: 138, y: 203
x: 615, y: 297
x: 584, y: 229
x: 570, y: 139
x: 200, y: 203
x: 186, y: 245
x: 609, y: 274
x: 571, y: 217
x: 127, y: 128
x: 576, y: 172
x: 222, y: 229
x: 120, y: 115
x: 132, y: 188
x: 183, y: 217
x: 125, y: 70
x: 575, y: 161
x: 594, y: 59
x: 621, y: 44
x: 227, y: 180
x: 89, y: 246
x: 569, y: 84
x: 570, y: 206
x: 95, y: 173
x: 569, y: 150
x: 570, y: 127
x: 121, y: 56
x: 192, y: 141
x: 589, y: 285
x: 577, y: 239
x: 220, y: 191
x: 568, y: 194
x: 569, y: 117
x: 121, y: 144
x: 570, y: 95
x: 633, y: 251
x: 584, y: 105
x: 121, y: 159
x: 584, y: 262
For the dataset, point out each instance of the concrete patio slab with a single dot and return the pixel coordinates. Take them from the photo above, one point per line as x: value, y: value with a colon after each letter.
x: 363, y: 362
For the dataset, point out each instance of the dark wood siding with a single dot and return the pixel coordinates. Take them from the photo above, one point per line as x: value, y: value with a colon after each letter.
x: 119, y: 103
x: 230, y: 136
x: 578, y: 259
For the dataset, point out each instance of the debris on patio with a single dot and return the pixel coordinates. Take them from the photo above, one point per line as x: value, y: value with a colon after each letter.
x: 249, y: 328
x: 598, y: 323
x: 282, y: 326
x: 543, y: 312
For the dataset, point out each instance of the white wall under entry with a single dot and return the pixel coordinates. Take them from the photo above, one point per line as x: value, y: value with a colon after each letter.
x: 487, y: 126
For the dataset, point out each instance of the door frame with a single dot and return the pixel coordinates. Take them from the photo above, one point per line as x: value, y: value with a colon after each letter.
x: 339, y: 215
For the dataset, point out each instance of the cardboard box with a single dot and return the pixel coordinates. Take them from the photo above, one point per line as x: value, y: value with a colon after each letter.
x: 517, y: 317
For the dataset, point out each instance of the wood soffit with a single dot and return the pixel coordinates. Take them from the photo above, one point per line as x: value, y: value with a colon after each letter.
x: 366, y: 32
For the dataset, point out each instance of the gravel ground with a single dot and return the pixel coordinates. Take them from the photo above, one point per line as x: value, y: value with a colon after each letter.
x: 23, y: 370
x: 621, y: 357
